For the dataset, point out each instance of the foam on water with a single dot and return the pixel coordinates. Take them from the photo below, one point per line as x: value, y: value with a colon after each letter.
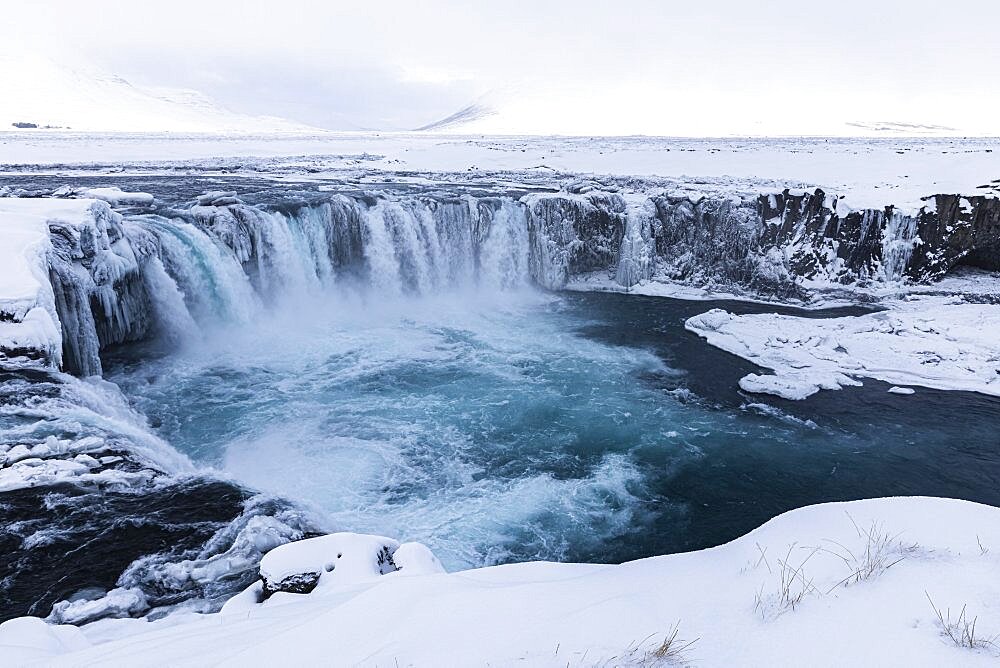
x: 474, y: 422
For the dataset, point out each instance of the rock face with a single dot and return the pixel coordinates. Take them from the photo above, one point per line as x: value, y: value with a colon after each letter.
x: 96, y: 277
x: 573, y: 234
x: 881, y: 244
x: 299, y: 583
x: 957, y: 230
x: 772, y: 244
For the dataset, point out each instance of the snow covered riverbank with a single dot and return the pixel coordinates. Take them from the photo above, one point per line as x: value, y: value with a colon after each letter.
x: 857, y: 583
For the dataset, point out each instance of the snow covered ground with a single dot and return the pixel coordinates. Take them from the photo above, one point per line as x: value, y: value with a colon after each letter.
x: 857, y: 583
x: 868, y: 172
x: 938, y: 342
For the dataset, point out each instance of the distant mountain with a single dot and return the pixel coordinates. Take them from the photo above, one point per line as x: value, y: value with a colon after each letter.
x: 461, y: 118
x: 901, y: 128
x: 38, y: 92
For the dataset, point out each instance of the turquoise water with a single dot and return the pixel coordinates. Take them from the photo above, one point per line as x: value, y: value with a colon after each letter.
x: 529, y: 425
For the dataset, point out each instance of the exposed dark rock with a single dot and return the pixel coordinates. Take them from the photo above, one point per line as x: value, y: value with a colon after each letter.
x: 300, y: 583
x: 957, y: 230
x: 574, y: 235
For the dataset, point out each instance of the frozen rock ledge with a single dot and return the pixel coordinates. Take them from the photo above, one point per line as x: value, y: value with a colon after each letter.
x: 29, y: 324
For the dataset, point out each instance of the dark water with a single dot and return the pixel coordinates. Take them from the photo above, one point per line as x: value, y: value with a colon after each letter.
x: 867, y: 442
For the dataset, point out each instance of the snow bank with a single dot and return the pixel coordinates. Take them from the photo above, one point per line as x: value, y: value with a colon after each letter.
x: 772, y: 597
x: 113, y: 195
x: 25, y: 639
x: 937, y: 342
x: 325, y: 563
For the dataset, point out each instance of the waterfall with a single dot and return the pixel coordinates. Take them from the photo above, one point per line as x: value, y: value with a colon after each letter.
x: 635, y: 260
x: 380, y: 252
x: 898, y: 242
x: 207, y: 272
x: 504, y: 254
x: 173, y: 319
x: 230, y: 260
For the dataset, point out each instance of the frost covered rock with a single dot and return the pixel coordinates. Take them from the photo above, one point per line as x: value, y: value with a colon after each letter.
x: 573, y: 234
x: 117, y: 603
x: 96, y: 278
x: 334, y: 560
x: 218, y: 198
x: 338, y: 558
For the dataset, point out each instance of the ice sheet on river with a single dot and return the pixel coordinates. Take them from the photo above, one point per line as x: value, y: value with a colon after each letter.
x: 938, y: 342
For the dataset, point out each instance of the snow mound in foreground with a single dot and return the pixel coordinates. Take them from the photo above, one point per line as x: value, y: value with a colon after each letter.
x: 857, y: 583
x: 935, y: 342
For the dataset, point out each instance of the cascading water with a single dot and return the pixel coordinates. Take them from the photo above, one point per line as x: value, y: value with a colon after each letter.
x: 504, y: 256
x: 898, y: 242
x: 173, y: 319
x: 636, y: 258
x: 206, y: 271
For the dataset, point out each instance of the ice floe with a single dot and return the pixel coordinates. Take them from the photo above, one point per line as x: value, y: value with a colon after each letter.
x: 937, y: 342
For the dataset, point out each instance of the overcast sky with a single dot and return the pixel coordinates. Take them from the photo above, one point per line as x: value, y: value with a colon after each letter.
x: 629, y: 67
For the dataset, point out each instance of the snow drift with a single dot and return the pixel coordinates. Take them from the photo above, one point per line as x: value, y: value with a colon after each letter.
x: 877, y: 571
x: 943, y: 343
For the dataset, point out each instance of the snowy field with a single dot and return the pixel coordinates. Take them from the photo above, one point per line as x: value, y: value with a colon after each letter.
x: 868, y: 172
x: 895, y: 581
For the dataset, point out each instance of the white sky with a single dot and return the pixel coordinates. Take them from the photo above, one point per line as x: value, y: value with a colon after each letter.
x: 712, y: 67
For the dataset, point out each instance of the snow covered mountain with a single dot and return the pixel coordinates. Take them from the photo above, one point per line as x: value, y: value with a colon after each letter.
x: 39, y: 92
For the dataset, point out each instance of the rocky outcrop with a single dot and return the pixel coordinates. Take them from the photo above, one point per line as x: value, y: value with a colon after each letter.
x: 573, y: 234
x: 956, y: 230
x: 96, y: 277
x: 771, y: 244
